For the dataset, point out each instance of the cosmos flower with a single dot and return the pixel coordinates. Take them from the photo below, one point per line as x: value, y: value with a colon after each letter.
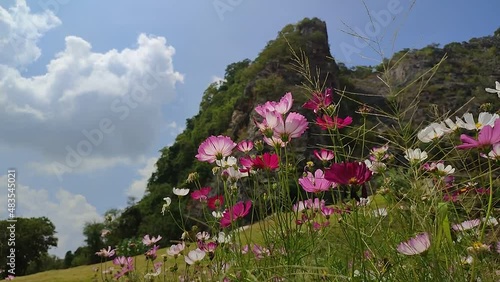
x: 176, y: 249
x: 489, y: 135
x: 324, y: 155
x: 245, y: 146
x: 415, y: 245
x: 348, y: 173
x: 215, y: 148
x: 483, y: 119
x: 375, y: 166
x: 494, y: 91
x: 194, y: 256
x: 266, y: 161
x: 494, y: 154
x: 215, y: 202
x: 150, y: 241
x: 415, y: 155
x: 466, y: 225
x: 202, y: 194
x: 106, y: 253
x: 293, y: 126
x: 319, y: 101
x: 181, y: 192
x: 234, y: 213
x: 433, y: 131
x: 327, y: 122
x: 315, y: 183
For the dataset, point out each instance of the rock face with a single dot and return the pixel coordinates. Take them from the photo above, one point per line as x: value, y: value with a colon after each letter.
x: 279, y: 76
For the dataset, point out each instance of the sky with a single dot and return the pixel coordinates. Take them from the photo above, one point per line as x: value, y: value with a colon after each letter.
x: 90, y: 91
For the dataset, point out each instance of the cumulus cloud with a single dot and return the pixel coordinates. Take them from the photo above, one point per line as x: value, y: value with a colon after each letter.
x: 89, y: 106
x: 67, y: 211
x: 138, y: 187
x: 20, y: 31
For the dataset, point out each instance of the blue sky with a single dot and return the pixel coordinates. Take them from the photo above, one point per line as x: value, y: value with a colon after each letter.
x: 69, y: 66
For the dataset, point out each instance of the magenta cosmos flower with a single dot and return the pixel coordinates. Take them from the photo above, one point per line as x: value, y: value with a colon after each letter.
x: 266, y: 161
x: 415, y: 245
x: 202, y: 194
x: 319, y: 101
x: 234, y: 213
x: 327, y: 122
x: 293, y: 127
x: 316, y: 183
x: 215, y: 148
x: 489, y: 135
x: 352, y: 173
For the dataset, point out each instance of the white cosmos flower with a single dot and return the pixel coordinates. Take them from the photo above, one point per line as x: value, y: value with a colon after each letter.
x: 217, y: 214
x: 227, y: 162
x: 181, y: 192
x: 484, y: 118
x: 375, y: 166
x: 445, y: 169
x: 222, y: 238
x: 194, y: 256
x: 415, y: 155
x: 494, y: 91
x: 433, y: 131
x: 494, y: 154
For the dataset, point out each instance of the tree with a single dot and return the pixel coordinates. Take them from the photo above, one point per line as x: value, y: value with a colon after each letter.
x: 33, y: 238
x: 92, y: 232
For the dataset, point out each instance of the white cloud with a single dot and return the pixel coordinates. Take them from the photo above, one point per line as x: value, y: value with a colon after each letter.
x: 138, y: 187
x: 217, y: 79
x: 20, y: 31
x: 68, y: 212
x: 89, y: 106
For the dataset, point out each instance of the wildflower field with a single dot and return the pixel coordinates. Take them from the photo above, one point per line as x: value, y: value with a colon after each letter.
x: 396, y: 204
x: 419, y: 206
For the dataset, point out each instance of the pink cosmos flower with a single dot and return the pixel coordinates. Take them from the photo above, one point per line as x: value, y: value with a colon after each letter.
x: 316, y: 183
x: 177, y: 249
x: 489, y: 135
x: 494, y: 154
x: 415, y: 245
x: 127, y: 265
x: 150, y: 241
x: 260, y: 252
x: 466, y: 225
x: 215, y: 148
x: 151, y: 253
x: 327, y: 122
x: 106, y: 253
x: 285, y: 104
x: 266, y: 161
x: 281, y: 107
x: 201, y: 194
x: 324, y: 155
x: 293, y: 127
x: 319, y: 101
x: 348, y: 173
x: 274, y: 142
x: 245, y: 146
x: 234, y: 213
x: 215, y: 202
